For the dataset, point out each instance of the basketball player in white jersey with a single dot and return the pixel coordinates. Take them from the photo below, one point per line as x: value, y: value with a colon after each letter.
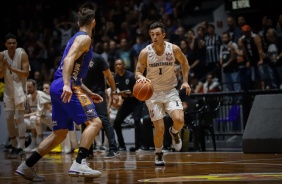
x: 39, y: 112
x: 14, y: 67
x: 159, y: 58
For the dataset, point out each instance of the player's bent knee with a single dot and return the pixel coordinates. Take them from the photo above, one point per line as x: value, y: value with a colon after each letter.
x: 95, y: 122
x: 61, y: 134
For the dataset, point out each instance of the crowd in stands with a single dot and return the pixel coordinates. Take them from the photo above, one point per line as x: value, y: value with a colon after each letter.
x: 43, y: 28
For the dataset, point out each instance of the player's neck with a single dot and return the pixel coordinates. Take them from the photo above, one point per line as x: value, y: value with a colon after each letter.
x: 11, y: 53
x: 159, y: 48
x: 87, y: 30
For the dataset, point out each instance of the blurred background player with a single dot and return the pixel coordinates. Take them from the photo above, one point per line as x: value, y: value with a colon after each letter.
x: 14, y: 67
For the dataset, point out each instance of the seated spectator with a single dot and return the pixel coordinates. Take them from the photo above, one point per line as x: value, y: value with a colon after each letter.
x: 211, y: 85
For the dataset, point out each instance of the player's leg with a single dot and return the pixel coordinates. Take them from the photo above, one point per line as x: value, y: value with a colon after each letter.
x: 157, y: 114
x: 85, y: 114
x: 175, y: 109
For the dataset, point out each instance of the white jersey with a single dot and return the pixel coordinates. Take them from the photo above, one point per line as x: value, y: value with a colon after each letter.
x: 39, y: 104
x: 15, y: 87
x: 161, y: 69
x: 32, y: 104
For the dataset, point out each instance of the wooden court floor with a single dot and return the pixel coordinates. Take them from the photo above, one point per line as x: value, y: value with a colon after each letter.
x: 181, y: 167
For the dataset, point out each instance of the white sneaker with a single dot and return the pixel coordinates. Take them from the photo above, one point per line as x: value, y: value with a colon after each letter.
x: 159, y: 161
x: 83, y: 170
x: 176, y: 140
x: 29, y: 173
x: 30, y: 148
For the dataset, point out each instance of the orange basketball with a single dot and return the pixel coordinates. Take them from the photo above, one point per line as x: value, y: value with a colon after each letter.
x: 143, y: 90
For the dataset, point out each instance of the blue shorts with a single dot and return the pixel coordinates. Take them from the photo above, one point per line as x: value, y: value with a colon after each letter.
x: 79, y: 110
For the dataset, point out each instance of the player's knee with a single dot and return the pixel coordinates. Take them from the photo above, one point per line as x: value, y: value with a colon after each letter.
x: 179, y: 119
x: 61, y: 134
x: 96, y: 122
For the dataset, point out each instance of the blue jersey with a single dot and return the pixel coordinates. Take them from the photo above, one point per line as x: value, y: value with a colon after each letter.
x: 80, y: 108
x: 80, y: 65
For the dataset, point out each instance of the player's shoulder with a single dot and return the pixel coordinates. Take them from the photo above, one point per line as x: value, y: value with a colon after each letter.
x: 21, y: 50
x: 144, y: 51
x: 83, y: 39
x: 175, y: 47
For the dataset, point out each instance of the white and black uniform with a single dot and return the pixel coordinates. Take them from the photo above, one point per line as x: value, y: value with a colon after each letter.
x: 161, y: 72
x: 15, y: 87
x: 39, y: 105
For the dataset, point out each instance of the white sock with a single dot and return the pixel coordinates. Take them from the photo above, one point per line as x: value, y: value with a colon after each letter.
x: 159, y: 150
x: 173, y: 130
x: 21, y: 143
x: 33, y: 141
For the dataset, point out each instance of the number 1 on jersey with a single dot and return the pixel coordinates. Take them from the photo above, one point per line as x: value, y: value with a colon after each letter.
x: 160, y: 72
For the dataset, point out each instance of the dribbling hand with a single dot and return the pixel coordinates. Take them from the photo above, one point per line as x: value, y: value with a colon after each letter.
x: 143, y: 80
x: 186, y: 86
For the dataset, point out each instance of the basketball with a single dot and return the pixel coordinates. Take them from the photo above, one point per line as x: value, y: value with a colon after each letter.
x: 143, y: 90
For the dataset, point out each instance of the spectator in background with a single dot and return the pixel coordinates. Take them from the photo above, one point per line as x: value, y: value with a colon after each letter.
x: 210, y: 85
x: 112, y: 55
x: 39, y: 80
x: 279, y: 27
x: 66, y: 30
x: 228, y: 62
x: 200, y: 46
x: 193, y: 55
x: 126, y: 53
x: 253, y: 52
x: 213, y: 43
x: 238, y: 31
x: 39, y: 112
x: 139, y: 44
x: 234, y: 31
x: 33, y: 47
x: 274, y: 58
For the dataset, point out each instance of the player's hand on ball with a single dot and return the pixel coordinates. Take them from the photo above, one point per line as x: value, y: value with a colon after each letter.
x: 143, y: 80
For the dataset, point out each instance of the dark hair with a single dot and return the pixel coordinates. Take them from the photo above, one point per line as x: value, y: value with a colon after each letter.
x: 34, y: 83
x: 9, y: 36
x: 226, y: 33
x: 85, y: 16
x: 47, y: 82
x: 157, y: 25
x: 212, y: 26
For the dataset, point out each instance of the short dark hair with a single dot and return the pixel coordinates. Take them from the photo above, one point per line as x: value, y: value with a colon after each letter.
x: 9, y: 36
x: 157, y: 25
x: 226, y: 33
x: 85, y: 16
x: 34, y: 83
x: 47, y: 82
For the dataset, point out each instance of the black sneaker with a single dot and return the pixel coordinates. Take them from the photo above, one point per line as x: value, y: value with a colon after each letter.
x: 133, y: 149
x: 100, y: 149
x: 112, y: 154
x: 15, y: 153
x: 8, y: 147
x: 159, y: 161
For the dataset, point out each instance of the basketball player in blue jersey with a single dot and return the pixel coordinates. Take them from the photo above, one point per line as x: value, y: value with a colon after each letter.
x: 158, y: 59
x: 71, y: 102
